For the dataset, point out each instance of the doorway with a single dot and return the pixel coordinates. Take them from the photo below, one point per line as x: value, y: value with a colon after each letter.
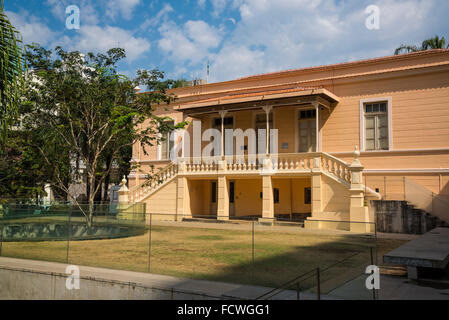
x: 213, y: 198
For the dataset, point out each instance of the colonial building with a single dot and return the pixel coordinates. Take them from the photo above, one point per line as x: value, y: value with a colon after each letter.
x: 394, y: 110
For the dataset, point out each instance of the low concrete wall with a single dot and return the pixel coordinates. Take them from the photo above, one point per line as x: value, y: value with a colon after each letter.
x: 40, y: 231
x: 23, y: 284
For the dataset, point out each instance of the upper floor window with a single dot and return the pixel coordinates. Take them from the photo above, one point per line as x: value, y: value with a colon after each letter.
x: 260, y: 122
x: 376, y: 125
x: 228, y: 123
x: 307, y: 130
x: 166, y: 144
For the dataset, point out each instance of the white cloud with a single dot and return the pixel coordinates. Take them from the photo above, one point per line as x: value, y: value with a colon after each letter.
x: 31, y: 28
x: 219, y: 6
x: 236, y: 61
x: 88, y: 12
x: 162, y: 15
x: 201, y: 4
x: 202, y: 34
x: 189, y: 43
x: 96, y: 39
x: 124, y: 8
x: 283, y: 34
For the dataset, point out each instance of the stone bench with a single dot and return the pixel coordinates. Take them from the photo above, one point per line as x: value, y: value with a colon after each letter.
x: 431, y: 250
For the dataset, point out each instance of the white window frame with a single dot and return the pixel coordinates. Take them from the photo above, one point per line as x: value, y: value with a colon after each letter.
x: 389, y: 101
x: 159, y: 145
x: 319, y: 138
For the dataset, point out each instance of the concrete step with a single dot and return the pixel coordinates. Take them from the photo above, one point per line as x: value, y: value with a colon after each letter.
x: 290, y: 223
x: 209, y: 220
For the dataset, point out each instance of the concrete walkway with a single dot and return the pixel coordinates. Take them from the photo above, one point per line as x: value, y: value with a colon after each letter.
x: 200, y: 288
x: 393, y: 288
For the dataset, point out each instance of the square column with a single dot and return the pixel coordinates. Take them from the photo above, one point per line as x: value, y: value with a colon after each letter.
x: 316, y: 194
x: 358, y: 213
x: 267, y: 200
x: 223, y: 199
x: 316, y: 186
x: 182, y: 199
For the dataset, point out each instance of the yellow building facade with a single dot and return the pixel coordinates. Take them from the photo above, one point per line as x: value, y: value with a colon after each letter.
x: 345, y: 134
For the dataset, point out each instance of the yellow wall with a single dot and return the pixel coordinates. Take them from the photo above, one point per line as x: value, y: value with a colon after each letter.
x: 291, y: 196
x: 200, y: 197
x: 394, y: 184
x: 334, y: 196
x: 247, y: 197
x: 163, y: 200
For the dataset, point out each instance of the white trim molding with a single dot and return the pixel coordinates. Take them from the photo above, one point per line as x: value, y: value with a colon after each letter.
x: 159, y: 145
x: 319, y: 142
x: 389, y: 101
x: 405, y: 171
x: 390, y: 152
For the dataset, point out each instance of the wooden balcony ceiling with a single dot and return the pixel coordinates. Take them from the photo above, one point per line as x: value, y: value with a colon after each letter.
x: 258, y: 99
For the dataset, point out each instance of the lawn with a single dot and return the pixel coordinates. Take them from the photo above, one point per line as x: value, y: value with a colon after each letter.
x: 218, y: 254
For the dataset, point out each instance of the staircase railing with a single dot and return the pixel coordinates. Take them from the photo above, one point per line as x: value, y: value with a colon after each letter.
x: 336, y: 167
x: 156, y: 181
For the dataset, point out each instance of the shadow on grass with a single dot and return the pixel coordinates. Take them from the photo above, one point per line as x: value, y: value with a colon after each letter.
x: 218, y: 255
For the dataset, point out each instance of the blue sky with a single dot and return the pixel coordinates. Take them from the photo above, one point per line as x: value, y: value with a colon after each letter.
x: 238, y: 37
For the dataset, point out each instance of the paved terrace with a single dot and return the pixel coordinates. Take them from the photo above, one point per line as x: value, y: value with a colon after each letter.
x: 430, y: 250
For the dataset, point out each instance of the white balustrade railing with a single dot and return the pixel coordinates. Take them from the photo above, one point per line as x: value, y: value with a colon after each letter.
x: 336, y: 167
x: 247, y: 164
x: 157, y: 179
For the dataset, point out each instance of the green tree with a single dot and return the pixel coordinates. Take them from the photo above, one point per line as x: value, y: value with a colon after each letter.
x: 81, y: 103
x: 11, y: 73
x: 428, y: 44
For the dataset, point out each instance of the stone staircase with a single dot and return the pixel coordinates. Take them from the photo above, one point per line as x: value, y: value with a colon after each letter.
x: 395, y: 216
x: 158, y: 180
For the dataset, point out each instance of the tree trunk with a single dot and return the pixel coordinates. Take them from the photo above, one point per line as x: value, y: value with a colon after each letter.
x: 91, y: 179
x: 106, y: 188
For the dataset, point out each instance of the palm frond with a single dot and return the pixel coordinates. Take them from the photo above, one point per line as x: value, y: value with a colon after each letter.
x: 11, y: 72
x: 406, y: 49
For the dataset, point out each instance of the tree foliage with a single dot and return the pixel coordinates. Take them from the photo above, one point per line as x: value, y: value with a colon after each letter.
x: 11, y: 73
x: 428, y: 44
x: 81, y: 110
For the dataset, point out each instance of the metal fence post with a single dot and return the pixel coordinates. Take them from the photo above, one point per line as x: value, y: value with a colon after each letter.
x: 433, y: 197
x: 149, y: 243
x: 253, y: 243
x: 318, y: 284
x: 297, y: 290
x: 69, y: 232
x: 372, y: 263
x: 403, y: 182
x: 252, y: 249
x: 1, y: 240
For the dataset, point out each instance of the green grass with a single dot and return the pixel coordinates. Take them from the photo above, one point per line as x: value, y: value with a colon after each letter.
x: 214, y: 254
